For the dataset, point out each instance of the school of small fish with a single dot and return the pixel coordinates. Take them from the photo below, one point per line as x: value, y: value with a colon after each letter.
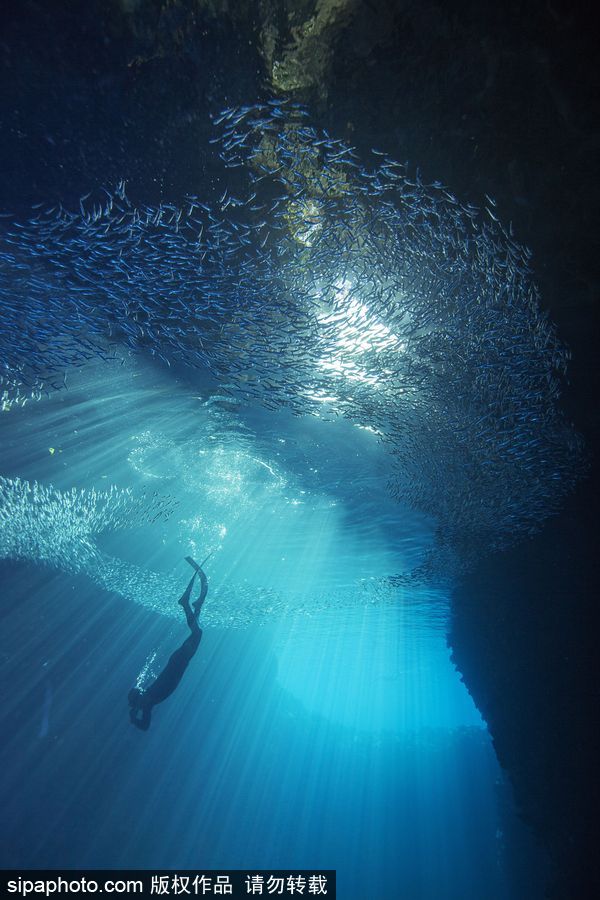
x: 60, y: 529
x: 329, y: 287
x: 46, y: 525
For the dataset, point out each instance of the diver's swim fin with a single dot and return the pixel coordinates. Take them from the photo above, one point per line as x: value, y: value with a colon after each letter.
x: 194, y: 564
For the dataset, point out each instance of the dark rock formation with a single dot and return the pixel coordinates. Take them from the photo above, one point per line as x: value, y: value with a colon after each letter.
x: 524, y: 636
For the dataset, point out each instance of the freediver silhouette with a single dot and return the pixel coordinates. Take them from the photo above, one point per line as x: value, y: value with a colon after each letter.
x: 141, y: 703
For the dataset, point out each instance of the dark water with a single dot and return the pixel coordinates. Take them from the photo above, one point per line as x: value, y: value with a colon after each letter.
x: 323, y: 722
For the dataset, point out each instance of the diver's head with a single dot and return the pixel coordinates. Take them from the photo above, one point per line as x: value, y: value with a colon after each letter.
x: 135, y: 698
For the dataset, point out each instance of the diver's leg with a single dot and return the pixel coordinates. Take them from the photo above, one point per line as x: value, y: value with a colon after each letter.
x: 184, y: 600
x: 190, y: 618
x: 203, y: 592
x: 190, y: 645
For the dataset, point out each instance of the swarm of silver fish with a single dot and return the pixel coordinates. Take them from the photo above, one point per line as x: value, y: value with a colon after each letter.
x: 327, y: 287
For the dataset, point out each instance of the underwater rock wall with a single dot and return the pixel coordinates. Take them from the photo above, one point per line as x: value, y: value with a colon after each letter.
x: 523, y: 635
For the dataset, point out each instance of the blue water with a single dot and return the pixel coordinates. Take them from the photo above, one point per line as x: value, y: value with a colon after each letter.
x: 321, y: 723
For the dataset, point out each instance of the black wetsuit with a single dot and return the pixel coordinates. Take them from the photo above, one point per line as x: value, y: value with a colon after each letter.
x: 142, y: 702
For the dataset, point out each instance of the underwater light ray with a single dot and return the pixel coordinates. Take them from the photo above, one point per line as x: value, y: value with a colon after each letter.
x: 330, y: 289
x: 61, y: 529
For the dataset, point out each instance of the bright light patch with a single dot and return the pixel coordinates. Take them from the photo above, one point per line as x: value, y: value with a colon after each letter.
x: 355, y: 332
x: 387, y: 670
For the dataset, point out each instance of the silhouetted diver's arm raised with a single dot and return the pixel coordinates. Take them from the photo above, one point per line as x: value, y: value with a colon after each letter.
x: 142, y: 702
